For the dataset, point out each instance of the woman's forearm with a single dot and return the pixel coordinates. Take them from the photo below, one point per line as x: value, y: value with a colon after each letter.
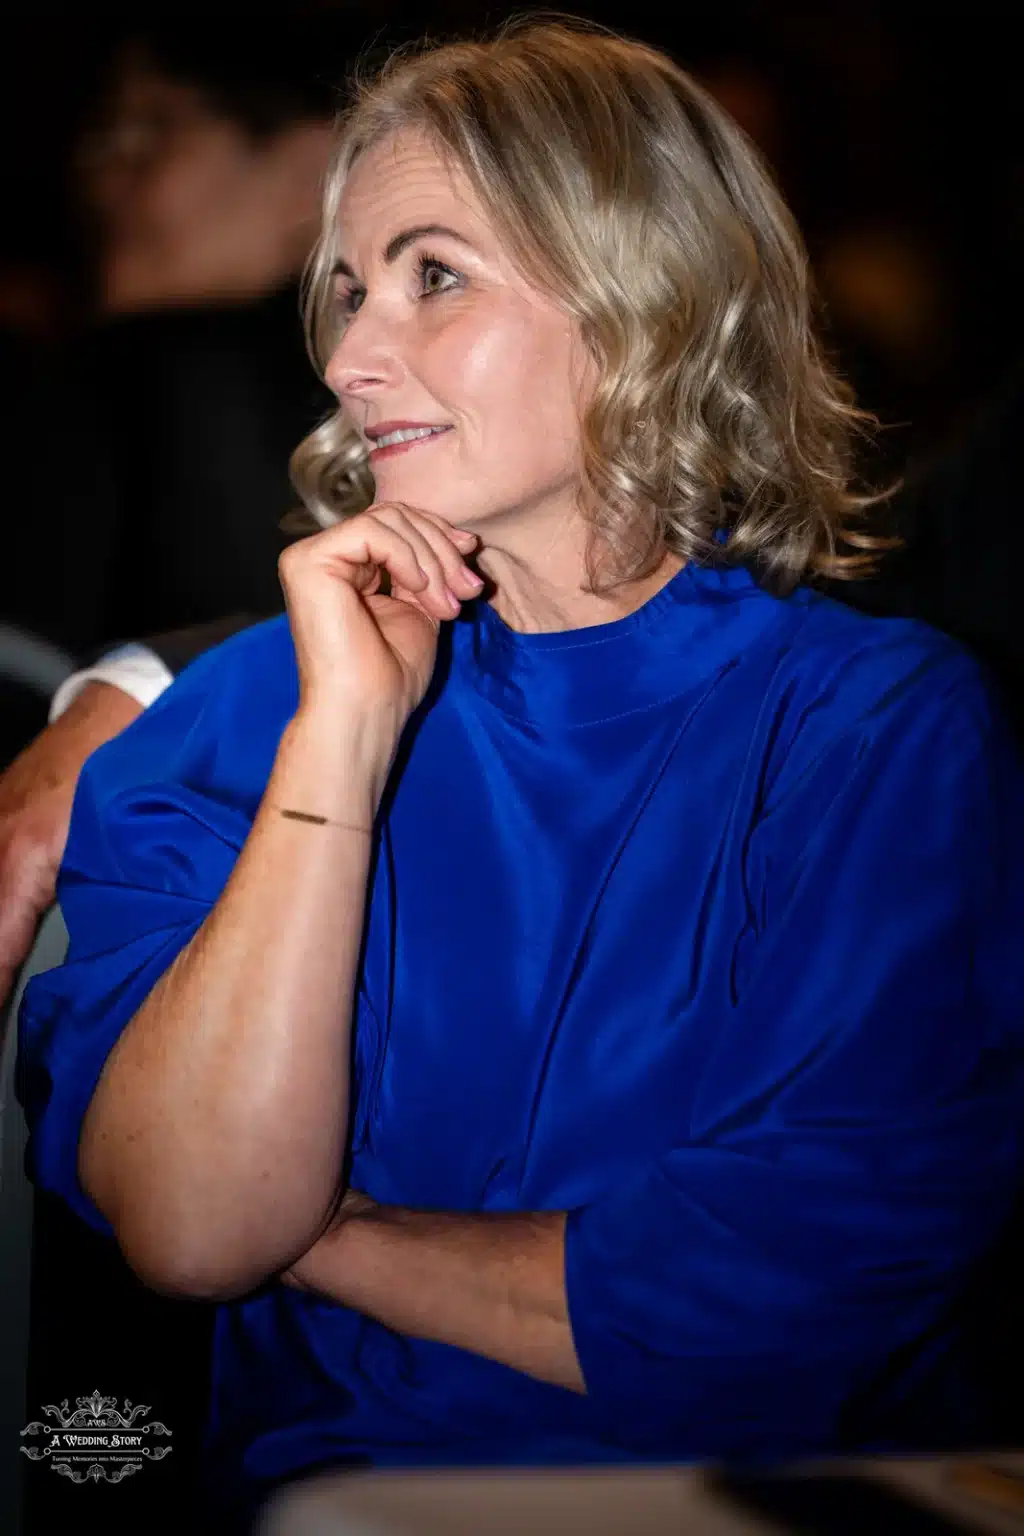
x: 215, y: 1138
x: 490, y: 1283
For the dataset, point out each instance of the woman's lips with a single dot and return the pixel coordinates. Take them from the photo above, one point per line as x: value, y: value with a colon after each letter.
x: 414, y: 442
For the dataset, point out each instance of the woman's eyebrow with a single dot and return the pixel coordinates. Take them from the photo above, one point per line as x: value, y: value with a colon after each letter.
x: 397, y: 244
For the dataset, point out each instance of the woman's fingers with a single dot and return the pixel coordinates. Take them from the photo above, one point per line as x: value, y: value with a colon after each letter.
x: 434, y: 597
x: 451, y: 581
x: 357, y: 550
x: 418, y: 550
x: 456, y: 544
x: 356, y: 645
x: 354, y: 552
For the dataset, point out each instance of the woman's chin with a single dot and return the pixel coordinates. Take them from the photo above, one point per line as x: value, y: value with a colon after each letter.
x: 414, y: 491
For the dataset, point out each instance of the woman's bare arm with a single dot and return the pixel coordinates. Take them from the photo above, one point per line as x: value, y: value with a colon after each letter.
x: 491, y: 1283
x: 215, y: 1138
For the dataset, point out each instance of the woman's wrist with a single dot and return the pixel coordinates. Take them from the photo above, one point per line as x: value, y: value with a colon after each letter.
x: 333, y: 767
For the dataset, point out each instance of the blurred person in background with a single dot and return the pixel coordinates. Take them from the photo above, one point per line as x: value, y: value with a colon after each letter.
x: 202, y: 169
x: 156, y: 446
x: 159, y: 450
x: 199, y: 179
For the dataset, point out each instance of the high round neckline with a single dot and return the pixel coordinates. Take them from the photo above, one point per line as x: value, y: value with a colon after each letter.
x: 589, y: 634
x: 693, y: 625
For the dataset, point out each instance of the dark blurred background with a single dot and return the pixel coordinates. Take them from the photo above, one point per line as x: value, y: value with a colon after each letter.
x: 894, y: 129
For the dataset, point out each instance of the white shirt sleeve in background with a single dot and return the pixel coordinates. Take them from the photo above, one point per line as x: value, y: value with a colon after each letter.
x: 135, y: 669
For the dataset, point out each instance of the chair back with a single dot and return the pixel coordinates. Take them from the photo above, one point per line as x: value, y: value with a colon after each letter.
x: 16, y: 1233
x: 32, y: 662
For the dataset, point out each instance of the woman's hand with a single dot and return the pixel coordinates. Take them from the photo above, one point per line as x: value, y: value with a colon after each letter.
x: 357, y: 648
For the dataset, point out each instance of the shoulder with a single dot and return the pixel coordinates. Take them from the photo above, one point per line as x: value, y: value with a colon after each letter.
x: 166, y: 806
x: 266, y: 645
x: 815, y: 653
x: 850, y: 686
x: 865, y: 667
x: 217, y: 726
x: 253, y: 671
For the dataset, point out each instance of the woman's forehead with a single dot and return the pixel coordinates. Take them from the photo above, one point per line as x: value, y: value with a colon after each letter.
x: 403, y: 181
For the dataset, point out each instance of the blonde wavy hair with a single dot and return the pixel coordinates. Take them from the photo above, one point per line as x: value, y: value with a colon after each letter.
x: 625, y: 192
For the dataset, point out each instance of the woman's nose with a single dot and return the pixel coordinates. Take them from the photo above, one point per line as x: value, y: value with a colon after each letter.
x: 366, y: 358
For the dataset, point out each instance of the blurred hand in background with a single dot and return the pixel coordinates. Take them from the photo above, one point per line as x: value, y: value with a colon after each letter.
x: 36, y: 795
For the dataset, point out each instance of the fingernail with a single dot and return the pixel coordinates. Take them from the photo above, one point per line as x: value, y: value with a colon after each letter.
x: 453, y: 602
x: 472, y: 577
x: 466, y: 533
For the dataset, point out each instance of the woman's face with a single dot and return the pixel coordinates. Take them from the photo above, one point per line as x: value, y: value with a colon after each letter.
x: 440, y: 330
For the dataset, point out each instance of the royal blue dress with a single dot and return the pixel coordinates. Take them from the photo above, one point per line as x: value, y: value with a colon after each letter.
x: 703, y: 925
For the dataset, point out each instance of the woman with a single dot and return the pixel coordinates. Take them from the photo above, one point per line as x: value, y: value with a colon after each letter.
x: 555, y: 990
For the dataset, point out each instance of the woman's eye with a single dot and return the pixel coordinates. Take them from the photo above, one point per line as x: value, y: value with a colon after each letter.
x: 350, y: 300
x: 435, y: 277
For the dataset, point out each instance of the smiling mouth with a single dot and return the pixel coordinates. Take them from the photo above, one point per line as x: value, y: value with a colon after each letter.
x: 407, y: 437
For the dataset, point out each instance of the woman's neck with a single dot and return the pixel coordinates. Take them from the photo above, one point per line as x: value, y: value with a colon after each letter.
x: 547, y: 594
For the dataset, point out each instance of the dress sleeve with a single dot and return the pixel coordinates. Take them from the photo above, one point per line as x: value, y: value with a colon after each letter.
x: 852, y: 1144
x: 159, y: 818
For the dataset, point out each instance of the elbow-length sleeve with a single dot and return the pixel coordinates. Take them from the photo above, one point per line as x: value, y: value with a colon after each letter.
x: 159, y: 818
x: 852, y: 1143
